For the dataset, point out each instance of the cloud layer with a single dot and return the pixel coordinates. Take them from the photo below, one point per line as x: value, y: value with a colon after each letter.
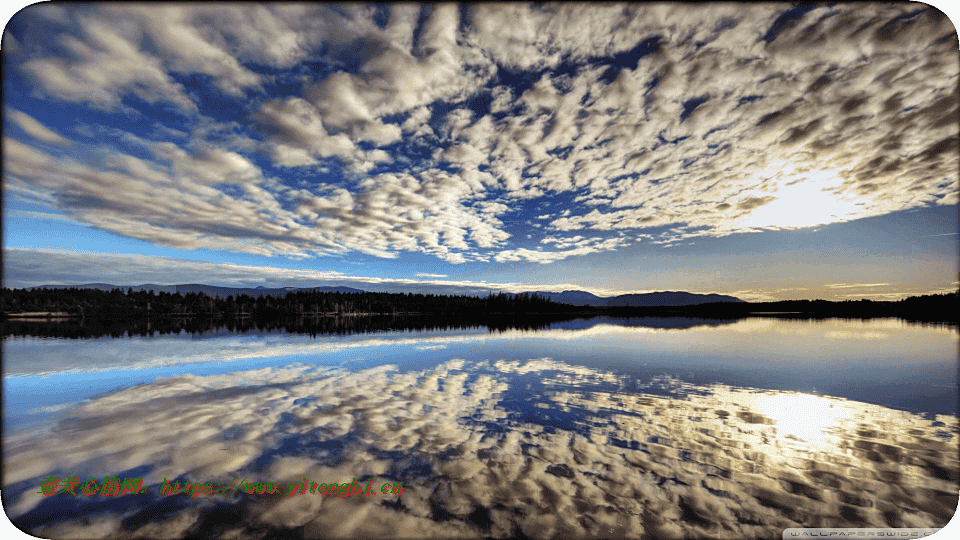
x: 437, y: 129
x: 479, y: 456
x: 35, y: 267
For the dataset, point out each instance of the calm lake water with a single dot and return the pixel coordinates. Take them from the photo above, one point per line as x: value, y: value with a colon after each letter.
x: 621, y: 428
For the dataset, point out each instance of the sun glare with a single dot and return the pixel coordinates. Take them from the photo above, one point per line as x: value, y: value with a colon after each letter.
x: 805, y: 200
x: 803, y: 416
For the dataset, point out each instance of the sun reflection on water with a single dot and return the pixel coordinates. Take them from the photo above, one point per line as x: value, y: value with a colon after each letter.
x: 492, y: 448
x: 804, y: 416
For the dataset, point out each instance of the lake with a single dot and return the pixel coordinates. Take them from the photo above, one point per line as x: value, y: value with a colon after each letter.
x: 602, y: 427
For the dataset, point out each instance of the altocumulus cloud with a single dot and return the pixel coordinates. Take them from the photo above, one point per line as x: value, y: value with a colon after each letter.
x: 717, y: 462
x: 435, y: 129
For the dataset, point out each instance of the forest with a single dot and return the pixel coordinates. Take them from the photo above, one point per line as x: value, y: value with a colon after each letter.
x: 117, y: 305
x: 931, y: 307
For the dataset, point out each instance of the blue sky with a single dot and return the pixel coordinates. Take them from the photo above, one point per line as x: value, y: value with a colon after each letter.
x: 764, y: 151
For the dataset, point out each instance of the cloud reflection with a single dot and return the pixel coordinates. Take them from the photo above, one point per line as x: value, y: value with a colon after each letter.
x: 486, y: 449
x: 60, y: 357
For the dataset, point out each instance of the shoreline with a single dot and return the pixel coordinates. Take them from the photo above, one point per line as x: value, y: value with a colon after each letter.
x: 621, y: 313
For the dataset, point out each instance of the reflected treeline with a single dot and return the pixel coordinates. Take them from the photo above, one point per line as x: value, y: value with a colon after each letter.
x: 75, y: 328
x: 342, y: 325
x: 926, y: 308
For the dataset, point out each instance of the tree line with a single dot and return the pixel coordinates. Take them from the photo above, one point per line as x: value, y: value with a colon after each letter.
x: 76, y: 328
x: 119, y: 305
x: 930, y: 307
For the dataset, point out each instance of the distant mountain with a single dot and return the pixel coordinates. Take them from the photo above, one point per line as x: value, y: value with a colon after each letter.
x: 668, y: 298
x: 574, y: 298
x: 656, y: 299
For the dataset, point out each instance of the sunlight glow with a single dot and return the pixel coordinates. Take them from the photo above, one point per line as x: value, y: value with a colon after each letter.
x: 805, y: 199
x: 803, y: 416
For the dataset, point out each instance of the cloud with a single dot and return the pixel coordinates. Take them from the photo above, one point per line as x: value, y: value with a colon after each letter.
x: 34, y: 267
x: 186, y: 44
x: 168, y: 204
x: 179, y: 200
x: 884, y: 296
x: 108, y: 56
x: 610, y: 468
x: 855, y: 285
x: 579, y: 246
x: 40, y: 215
x: 166, y: 351
x: 696, y: 119
x: 298, y: 133
x: 37, y: 130
x: 100, y: 67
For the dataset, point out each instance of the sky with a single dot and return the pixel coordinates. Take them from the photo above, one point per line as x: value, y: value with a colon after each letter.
x: 764, y: 151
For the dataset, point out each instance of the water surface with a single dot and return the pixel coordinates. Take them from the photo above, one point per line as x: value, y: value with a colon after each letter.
x: 603, y: 427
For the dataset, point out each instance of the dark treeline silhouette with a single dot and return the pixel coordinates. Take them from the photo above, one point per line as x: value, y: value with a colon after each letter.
x: 932, y: 308
x: 117, y: 305
x: 76, y: 328
x: 328, y: 311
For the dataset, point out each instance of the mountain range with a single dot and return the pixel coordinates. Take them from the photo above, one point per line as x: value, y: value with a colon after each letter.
x: 667, y: 298
x: 575, y: 298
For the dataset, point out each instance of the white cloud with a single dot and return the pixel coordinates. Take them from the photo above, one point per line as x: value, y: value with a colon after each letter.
x: 855, y: 285
x: 186, y: 45
x: 817, y: 126
x: 539, y: 476
x: 103, y: 66
x: 37, y: 130
x: 33, y: 267
x: 298, y: 133
x: 579, y: 247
